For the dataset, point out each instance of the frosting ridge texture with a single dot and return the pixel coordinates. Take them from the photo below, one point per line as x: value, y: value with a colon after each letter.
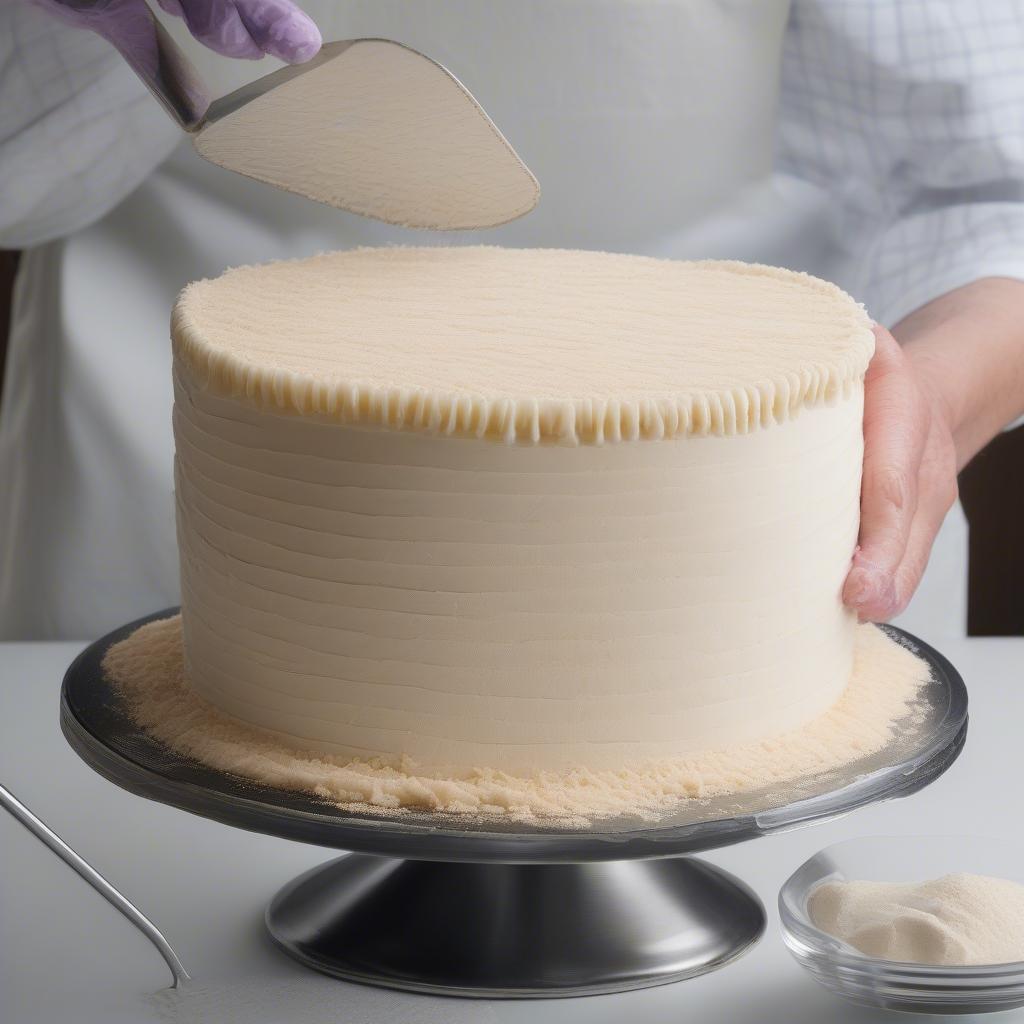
x: 525, y: 345
x: 367, y: 591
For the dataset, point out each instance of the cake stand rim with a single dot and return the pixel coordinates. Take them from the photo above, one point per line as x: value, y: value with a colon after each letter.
x: 444, y: 840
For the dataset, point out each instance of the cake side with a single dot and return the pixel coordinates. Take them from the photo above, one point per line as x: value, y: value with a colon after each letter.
x: 524, y: 346
x: 430, y: 595
x: 459, y: 603
x: 882, y: 708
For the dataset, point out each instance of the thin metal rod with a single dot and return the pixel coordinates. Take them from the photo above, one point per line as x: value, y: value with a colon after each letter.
x: 154, y: 56
x: 83, y: 868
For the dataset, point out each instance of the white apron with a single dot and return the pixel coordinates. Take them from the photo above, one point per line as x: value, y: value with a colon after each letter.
x: 649, y: 123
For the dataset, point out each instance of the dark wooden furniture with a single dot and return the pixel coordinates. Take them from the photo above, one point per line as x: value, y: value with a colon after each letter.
x: 992, y: 494
x: 8, y: 268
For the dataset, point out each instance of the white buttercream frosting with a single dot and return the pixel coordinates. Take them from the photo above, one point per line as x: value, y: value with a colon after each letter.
x: 365, y: 571
x: 880, y: 709
x: 525, y: 344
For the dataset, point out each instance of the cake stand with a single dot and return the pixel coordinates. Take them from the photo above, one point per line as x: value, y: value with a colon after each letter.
x: 432, y: 903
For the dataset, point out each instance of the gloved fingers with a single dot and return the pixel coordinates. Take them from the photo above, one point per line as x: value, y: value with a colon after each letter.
x: 280, y: 28
x: 216, y: 24
x: 250, y: 28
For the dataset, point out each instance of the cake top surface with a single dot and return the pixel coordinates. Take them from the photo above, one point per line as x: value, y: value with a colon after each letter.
x: 524, y: 345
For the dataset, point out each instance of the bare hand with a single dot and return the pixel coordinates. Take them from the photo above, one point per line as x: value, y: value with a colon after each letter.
x: 909, y: 483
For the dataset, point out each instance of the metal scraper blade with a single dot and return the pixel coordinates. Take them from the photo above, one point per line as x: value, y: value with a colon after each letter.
x: 372, y: 126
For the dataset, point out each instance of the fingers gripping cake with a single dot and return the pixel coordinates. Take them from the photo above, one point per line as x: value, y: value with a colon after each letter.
x: 522, y: 511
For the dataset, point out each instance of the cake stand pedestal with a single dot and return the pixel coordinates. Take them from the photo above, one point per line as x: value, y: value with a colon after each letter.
x: 430, y: 903
x: 515, y: 929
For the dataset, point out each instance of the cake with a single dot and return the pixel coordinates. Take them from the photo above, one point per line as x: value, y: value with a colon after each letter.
x: 518, y: 510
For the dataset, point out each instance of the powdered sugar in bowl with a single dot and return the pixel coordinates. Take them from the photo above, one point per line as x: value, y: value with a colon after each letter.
x: 892, y: 984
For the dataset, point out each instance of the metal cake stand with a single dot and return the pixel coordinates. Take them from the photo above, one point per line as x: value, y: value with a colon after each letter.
x: 433, y: 903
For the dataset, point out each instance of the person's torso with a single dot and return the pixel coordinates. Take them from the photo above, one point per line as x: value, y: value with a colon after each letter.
x: 649, y: 124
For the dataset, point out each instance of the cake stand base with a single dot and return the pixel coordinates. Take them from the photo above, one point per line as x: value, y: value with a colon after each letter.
x: 438, y: 903
x: 515, y: 930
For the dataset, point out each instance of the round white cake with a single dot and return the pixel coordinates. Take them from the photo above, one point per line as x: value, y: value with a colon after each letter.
x: 522, y: 509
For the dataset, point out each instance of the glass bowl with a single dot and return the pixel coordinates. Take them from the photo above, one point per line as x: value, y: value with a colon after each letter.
x: 888, y: 984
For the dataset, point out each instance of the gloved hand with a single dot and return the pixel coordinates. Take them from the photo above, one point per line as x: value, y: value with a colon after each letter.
x: 250, y: 28
x: 234, y: 28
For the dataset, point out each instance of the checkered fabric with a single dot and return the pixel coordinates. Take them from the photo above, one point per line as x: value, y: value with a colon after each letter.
x: 910, y: 113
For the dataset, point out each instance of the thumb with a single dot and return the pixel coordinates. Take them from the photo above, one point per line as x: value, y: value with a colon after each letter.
x: 895, y: 430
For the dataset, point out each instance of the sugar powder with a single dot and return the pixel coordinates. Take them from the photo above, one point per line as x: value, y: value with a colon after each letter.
x: 883, y: 693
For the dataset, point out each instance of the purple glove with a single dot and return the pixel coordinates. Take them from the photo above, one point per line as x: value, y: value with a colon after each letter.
x: 235, y: 28
x: 250, y: 28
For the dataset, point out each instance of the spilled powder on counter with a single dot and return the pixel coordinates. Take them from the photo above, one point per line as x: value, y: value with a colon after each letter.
x: 148, y: 669
x: 957, y: 920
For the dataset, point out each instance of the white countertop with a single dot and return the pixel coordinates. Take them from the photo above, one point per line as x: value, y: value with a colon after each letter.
x: 65, y: 955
